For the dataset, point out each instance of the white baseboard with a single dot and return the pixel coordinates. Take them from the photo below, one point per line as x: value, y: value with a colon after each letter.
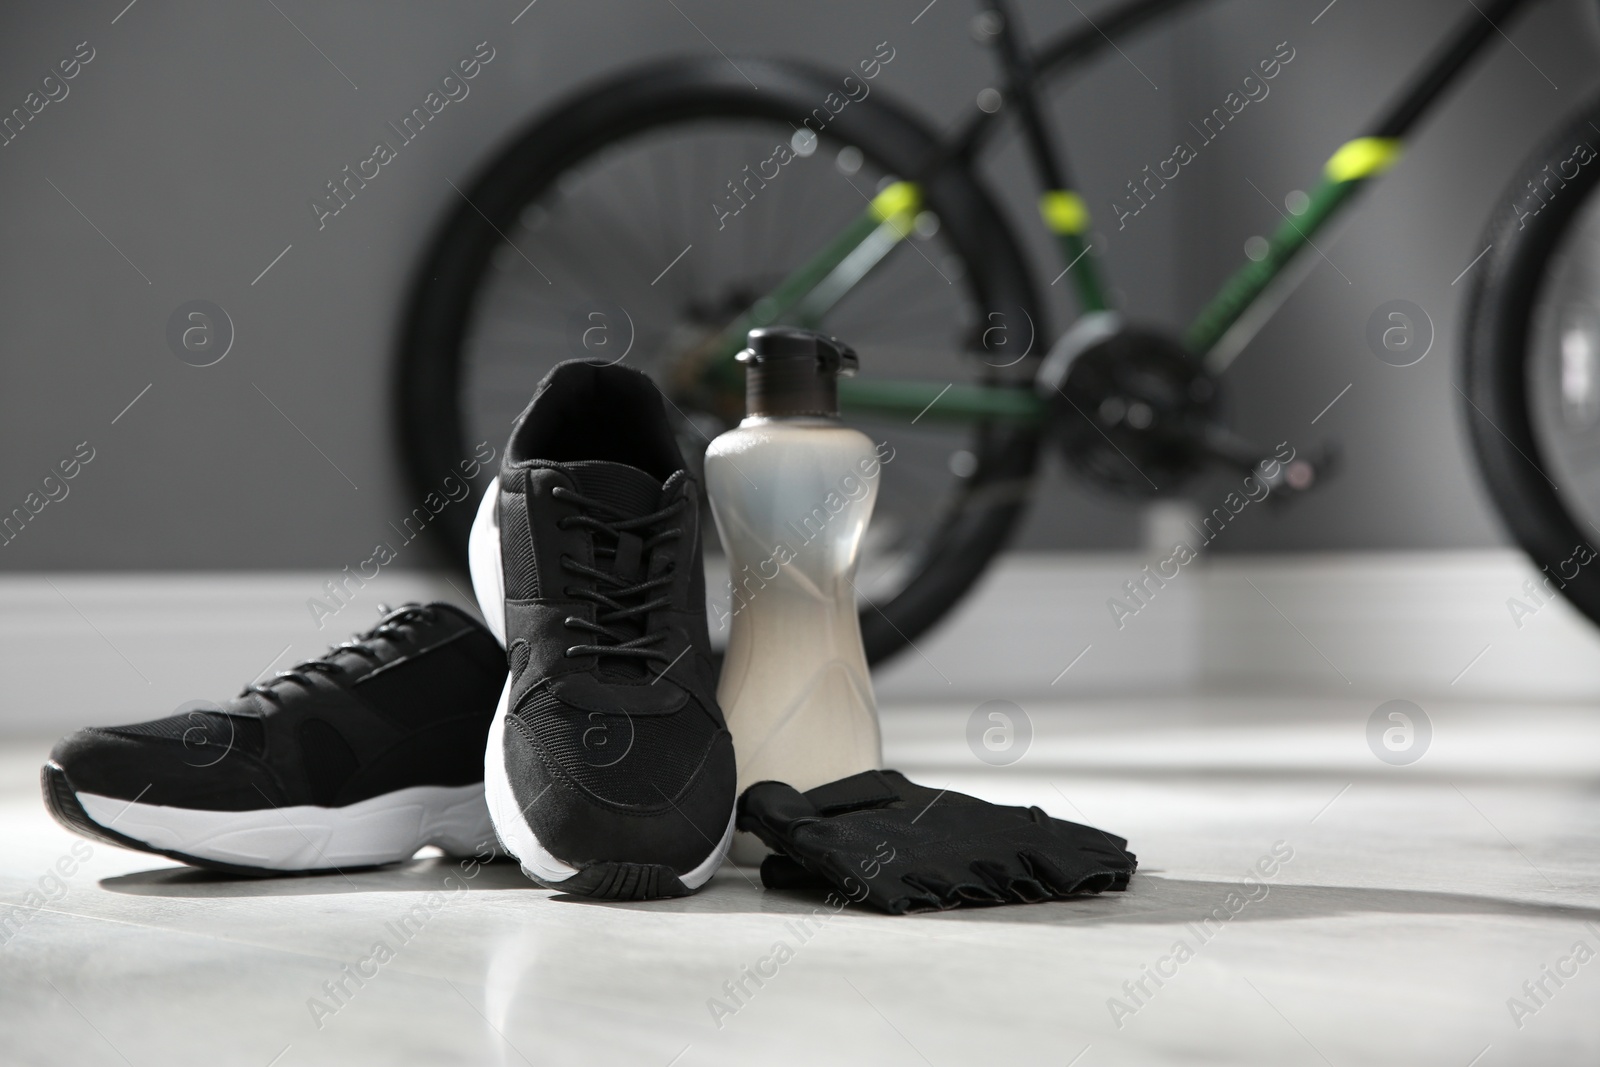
x: 1368, y: 624
x: 101, y: 648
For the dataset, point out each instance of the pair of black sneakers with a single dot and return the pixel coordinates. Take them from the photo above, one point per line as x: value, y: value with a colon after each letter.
x: 600, y: 760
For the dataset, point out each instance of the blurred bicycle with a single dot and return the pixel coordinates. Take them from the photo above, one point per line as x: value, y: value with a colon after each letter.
x: 661, y: 215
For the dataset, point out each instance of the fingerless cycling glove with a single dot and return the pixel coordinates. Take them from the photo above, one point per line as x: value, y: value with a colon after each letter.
x: 883, y: 840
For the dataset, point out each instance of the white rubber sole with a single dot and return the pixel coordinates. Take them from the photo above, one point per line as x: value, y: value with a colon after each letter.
x: 485, y: 565
x: 489, y: 585
x: 382, y: 829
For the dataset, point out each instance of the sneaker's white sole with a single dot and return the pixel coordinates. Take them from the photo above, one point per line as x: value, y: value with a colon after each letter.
x: 382, y: 829
x: 489, y: 585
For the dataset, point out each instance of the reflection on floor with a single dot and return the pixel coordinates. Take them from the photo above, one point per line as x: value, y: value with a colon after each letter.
x: 1443, y: 912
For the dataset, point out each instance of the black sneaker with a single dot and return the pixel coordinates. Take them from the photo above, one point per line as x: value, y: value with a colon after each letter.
x: 609, y: 771
x: 356, y: 759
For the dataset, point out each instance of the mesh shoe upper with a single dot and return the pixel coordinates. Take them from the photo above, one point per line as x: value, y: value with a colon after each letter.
x: 407, y: 703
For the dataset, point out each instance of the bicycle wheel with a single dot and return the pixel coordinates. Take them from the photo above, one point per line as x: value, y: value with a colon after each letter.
x: 609, y: 230
x: 1531, y: 377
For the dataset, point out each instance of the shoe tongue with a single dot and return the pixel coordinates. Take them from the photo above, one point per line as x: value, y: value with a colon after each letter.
x: 628, y: 489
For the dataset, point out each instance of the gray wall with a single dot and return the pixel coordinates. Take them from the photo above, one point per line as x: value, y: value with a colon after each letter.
x: 181, y: 162
x: 1406, y: 479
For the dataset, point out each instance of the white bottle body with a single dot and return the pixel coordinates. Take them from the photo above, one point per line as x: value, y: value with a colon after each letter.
x: 792, y: 497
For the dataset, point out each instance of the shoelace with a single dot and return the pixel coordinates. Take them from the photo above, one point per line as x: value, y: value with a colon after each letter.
x: 624, y: 599
x: 393, y: 624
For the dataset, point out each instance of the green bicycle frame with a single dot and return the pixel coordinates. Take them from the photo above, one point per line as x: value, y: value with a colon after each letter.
x: 806, y: 295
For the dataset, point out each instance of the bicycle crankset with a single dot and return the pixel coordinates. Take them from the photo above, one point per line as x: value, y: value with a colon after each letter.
x: 1135, y: 412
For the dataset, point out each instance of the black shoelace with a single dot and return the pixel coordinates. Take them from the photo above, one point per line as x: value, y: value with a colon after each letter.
x: 619, y: 597
x: 393, y: 625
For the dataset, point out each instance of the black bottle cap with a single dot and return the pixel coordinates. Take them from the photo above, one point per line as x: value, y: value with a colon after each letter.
x: 790, y: 371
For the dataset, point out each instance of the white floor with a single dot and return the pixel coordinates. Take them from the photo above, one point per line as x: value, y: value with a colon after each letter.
x: 1417, y: 902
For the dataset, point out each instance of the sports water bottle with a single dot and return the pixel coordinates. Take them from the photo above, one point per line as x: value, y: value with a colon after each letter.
x: 792, y: 488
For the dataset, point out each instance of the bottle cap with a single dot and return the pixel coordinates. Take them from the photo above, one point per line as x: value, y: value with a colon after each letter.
x: 790, y: 371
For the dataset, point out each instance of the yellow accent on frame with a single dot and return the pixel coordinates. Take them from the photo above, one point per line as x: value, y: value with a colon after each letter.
x: 1064, y: 212
x: 898, y: 201
x: 1365, y: 157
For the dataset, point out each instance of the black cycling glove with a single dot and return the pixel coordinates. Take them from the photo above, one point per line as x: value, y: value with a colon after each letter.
x: 883, y: 840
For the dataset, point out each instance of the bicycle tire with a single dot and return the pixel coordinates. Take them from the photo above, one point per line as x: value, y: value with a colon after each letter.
x: 1517, y: 465
x: 989, y: 501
